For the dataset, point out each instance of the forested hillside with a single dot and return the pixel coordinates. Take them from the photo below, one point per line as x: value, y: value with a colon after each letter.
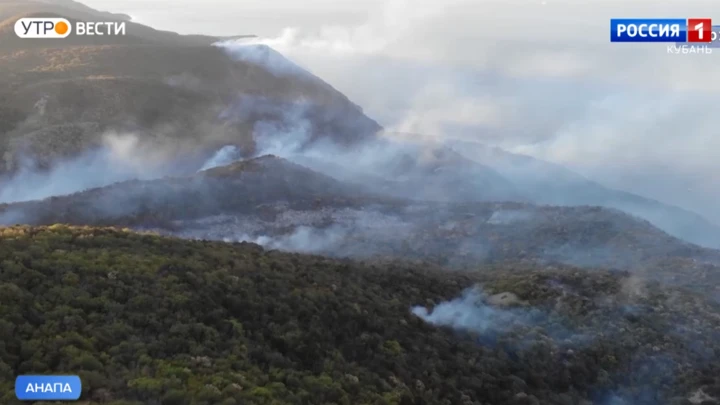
x: 150, y: 320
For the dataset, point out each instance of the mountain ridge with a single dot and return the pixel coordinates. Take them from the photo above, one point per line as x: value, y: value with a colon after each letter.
x: 291, y: 207
x: 549, y: 183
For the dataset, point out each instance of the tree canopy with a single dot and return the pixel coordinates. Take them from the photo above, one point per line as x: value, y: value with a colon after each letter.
x: 145, y: 319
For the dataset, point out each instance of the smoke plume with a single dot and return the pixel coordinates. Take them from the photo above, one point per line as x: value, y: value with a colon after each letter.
x: 224, y: 156
x: 470, y: 312
x: 119, y: 158
x: 563, y: 94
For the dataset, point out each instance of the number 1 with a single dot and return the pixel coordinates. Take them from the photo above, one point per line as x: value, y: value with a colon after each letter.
x: 699, y: 29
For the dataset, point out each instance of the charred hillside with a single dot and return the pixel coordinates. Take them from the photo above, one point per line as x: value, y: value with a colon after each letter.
x: 235, y: 189
x: 286, y: 206
x: 143, y: 318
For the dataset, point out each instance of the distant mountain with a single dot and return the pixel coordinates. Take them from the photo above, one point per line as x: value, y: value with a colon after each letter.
x: 423, y: 173
x: 440, y: 174
x: 547, y: 183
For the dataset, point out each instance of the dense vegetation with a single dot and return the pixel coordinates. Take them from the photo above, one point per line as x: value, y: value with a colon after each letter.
x: 152, y: 320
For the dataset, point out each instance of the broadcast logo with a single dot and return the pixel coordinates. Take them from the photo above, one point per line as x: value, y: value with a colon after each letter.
x: 43, y: 28
x: 62, y: 28
x: 691, y: 30
x: 688, y: 36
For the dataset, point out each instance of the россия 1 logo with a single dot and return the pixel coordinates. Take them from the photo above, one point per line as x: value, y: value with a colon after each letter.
x: 693, y: 30
x: 688, y: 36
x: 62, y: 28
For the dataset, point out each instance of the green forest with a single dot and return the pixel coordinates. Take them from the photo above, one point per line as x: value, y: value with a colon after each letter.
x: 144, y: 319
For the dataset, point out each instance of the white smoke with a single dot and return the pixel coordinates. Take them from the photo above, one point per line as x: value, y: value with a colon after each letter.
x: 224, y: 156
x: 353, y: 232
x: 272, y: 138
x: 262, y: 55
x: 470, y: 312
x: 119, y: 158
x: 303, y: 240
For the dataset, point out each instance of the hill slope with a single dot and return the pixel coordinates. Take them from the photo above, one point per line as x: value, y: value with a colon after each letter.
x: 144, y: 319
x: 287, y: 206
x: 548, y: 183
x: 58, y: 98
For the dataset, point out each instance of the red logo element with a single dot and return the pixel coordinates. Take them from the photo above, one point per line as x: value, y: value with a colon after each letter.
x: 699, y: 30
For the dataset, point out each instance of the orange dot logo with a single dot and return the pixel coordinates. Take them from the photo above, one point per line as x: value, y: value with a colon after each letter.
x: 61, y: 28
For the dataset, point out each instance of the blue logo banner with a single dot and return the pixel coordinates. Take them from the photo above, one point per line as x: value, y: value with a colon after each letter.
x: 648, y: 30
x: 48, y: 387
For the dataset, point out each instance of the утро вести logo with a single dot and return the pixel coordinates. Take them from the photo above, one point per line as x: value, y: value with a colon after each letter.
x: 43, y: 28
x: 62, y: 28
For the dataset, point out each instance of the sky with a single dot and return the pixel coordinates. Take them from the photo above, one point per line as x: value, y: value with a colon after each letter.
x: 532, y: 76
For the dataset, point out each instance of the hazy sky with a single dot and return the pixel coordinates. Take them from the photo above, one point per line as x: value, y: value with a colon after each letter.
x: 533, y: 76
x: 228, y: 17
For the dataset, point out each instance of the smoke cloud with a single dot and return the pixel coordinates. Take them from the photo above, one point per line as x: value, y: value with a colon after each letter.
x: 263, y: 55
x: 303, y: 240
x: 120, y: 157
x: 470, y: 312
x: 503, y: 319
x: 632, y: 117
